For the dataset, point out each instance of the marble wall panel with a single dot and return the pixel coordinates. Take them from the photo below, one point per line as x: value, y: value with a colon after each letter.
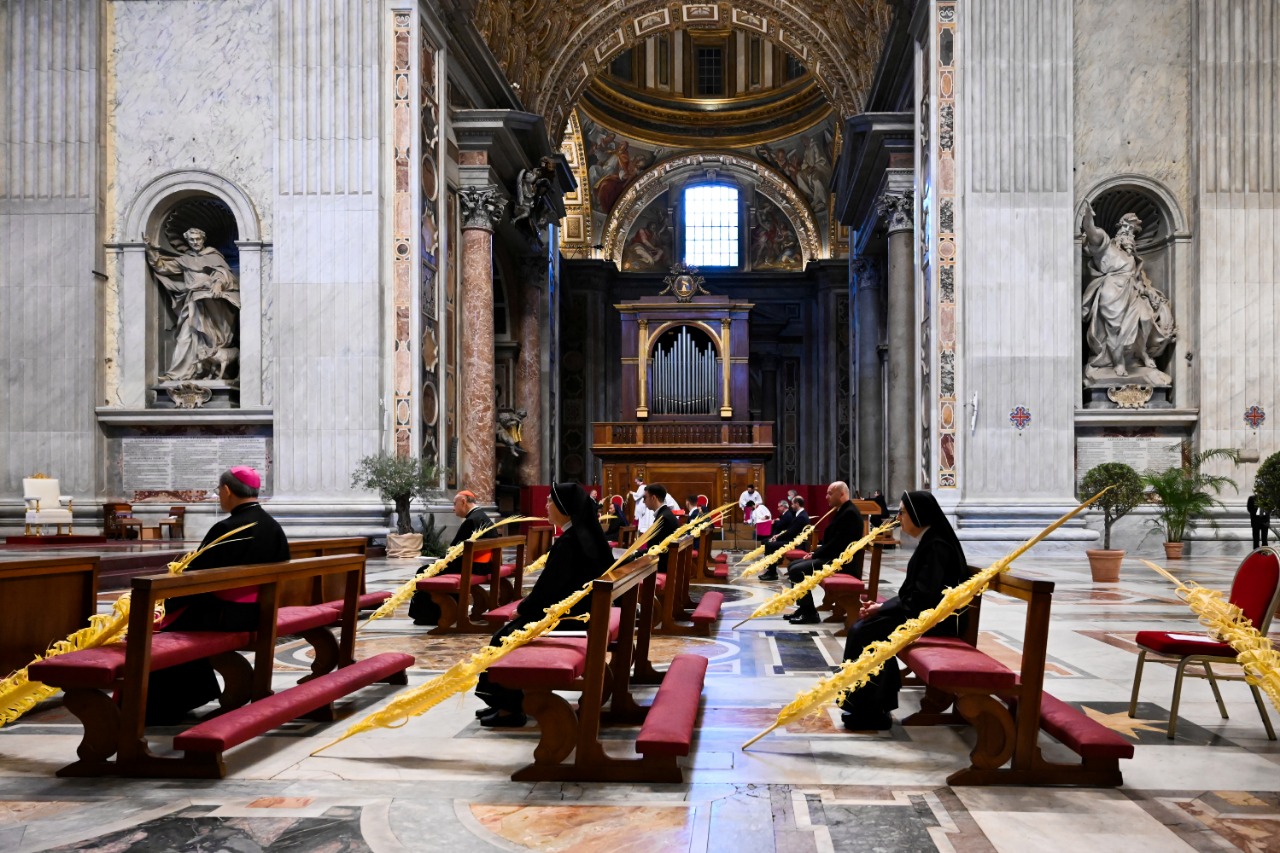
x: 1018, y: 304
x: 49, y: 168
x: 1238, y: 151
x: 1132, y: 96
x: 190, y: 86
x: 331, y: 383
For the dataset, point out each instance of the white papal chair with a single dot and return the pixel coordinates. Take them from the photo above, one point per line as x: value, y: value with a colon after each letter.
x: 45, y: 505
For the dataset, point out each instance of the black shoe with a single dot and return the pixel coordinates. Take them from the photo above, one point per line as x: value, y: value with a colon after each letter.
x: 485, y: 712
x: 770, y: 575
x: 874, y: 723
x: 800, y: 617
x: 504, y: 721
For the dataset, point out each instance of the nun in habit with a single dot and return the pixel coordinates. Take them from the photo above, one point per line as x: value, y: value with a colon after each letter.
x: 938, y: 563
x: 579, y: 555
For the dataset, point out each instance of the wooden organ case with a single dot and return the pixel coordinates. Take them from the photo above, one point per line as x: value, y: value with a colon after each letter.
x: 685, y: 419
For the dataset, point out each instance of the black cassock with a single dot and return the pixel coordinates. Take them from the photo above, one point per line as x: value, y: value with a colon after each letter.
x: 935, y: 566
x: 424, y: 611
x: 574, y: 559
x: 176, y: 690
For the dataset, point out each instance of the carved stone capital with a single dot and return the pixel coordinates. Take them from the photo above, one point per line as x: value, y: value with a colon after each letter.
x: 482, y: 207
x: 867, y: 272
x: 898, y: 211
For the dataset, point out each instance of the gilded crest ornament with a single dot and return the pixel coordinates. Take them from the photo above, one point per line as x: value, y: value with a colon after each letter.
x: 684, y: 282
x: 1130, y: 396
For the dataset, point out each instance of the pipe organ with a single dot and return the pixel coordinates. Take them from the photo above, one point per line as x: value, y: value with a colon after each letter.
x: 684, y: 419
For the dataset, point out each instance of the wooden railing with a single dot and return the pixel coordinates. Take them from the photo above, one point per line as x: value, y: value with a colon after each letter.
x: 737, y: 439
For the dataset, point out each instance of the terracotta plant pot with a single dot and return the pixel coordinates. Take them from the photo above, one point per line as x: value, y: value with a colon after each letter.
x: 1173, y: 550
x: 404, y: 546
x: 1104, y: 565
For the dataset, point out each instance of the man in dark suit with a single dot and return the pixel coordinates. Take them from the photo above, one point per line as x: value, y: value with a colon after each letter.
x: 655, y: 499
x: 1260, y: 522
x: 691, y: 508
x: 844, y: 529
x: 797, y: 520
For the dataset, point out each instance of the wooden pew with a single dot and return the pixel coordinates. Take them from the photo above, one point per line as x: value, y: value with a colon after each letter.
x: 564, y: 663
x: 539, y: 542
x: 89, y: 677
x: 706, y: 568
x: 1009, y: 709
x: 461, y: 597
x: 676, y: 613
x: 321, y: 588
x: 43, y: 600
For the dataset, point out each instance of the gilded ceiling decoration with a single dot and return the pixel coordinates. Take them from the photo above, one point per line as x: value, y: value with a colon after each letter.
x: 552, y: 48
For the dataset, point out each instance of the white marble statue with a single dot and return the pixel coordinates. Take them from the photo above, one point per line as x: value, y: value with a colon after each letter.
x: 1128, y: 321
x: 205, y: 297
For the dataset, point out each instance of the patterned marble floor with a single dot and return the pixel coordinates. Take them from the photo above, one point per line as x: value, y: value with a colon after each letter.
x: 442, y: 781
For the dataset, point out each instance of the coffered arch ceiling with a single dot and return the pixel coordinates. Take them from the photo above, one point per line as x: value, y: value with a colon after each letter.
x: 552, y: 48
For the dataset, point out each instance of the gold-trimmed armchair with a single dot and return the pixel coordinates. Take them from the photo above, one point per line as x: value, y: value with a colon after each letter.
x: 45, y: 505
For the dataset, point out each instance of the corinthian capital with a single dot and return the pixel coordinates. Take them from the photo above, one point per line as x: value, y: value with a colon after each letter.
x: 898, y: 211
x: 482, y: 207
x: 867, y: 273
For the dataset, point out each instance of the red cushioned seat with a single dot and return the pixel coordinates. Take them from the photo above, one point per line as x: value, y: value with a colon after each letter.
x: 708, y: 609
x: 844, y: 584
x: 669, y: 725
x: 549, y: 661
x: 954, y: 642
x: 449, y: 583
x: 722, y: 557
x: 103, y: 666
x: 1172, y: 643
x: 796, y: 554
x: 720, y: 572
x: 506, y: 570
x: 1084, y: 736
x: 235, y: 727
x: 298, y: 618
x: 504, y: 614
x: 660, y: 581
x: 949, y: 667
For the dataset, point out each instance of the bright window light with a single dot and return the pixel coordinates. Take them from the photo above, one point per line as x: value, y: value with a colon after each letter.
x: 711, y: 226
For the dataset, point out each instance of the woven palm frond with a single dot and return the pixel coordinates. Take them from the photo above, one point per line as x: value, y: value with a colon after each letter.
x: 773, y: 559
x: 853, y: 674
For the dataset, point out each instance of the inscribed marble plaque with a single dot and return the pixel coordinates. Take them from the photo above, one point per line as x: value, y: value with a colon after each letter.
x: 187, y: 462
x: 1141, y: 454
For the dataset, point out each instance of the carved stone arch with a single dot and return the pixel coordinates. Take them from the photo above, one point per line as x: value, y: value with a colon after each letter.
x: 173, y: 186
x: 702, y: 325
x: 553, y: 48
x: 1159, y: 195
x: 765, y: 180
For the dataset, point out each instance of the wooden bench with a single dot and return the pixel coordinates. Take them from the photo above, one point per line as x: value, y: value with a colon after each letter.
x: 462, y: 598
x: 89, y: 677
x: 324, y: 588
x: 842, y: 593
x: 540, y: 538
x: 563, y: 663
x: 42, y: 601
x: 708, y: 569
x: 676, y: 613
x: 1009, y: 709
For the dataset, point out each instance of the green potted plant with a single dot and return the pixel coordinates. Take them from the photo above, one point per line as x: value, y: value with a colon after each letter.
x: 398, y: 479
x: 1186, y: 493
x: 1266, y: 485
x: 1124, y: 494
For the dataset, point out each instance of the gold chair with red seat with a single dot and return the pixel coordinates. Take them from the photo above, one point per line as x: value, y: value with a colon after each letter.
x: 1256, y: 591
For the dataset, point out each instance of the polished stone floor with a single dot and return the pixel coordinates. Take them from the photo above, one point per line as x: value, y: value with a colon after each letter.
x: 441, y: 782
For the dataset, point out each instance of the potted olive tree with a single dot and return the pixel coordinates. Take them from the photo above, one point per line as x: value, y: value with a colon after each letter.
x: 398, y: 479
x: 1124, y: 494
x: 1266, y: 485
x: 1186, y: 493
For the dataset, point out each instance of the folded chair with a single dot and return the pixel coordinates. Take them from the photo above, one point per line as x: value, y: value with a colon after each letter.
x: 1256, y: 591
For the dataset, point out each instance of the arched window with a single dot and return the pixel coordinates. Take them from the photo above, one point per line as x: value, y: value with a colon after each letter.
x: 711, y: 226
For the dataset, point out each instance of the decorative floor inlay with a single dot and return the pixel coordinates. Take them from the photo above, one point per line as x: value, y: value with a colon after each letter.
x: 590, y: 829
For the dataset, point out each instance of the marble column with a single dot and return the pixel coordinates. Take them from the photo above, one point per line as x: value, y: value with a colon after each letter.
x: 529, y: 378
x: 869, y: 414
x: 482, y: 209
x: 900, y: 334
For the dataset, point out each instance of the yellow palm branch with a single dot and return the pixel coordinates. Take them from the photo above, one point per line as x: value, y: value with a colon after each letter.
x: 406, y: 590
x: 537, y: 565
x: 772, y: 560
x: 464, y: 674
x: 18, y: 694
x: 674, y: 536
x: 783, y: 600
x: 751, y: 555
x: 1254, y: 651
x: 854, y: 674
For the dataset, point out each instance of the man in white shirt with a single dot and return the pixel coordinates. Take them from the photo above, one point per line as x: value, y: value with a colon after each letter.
x: 749, y: 495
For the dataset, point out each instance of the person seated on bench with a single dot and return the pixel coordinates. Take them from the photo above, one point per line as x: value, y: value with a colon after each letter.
x: 424, y: 611
x: 614, y: 524
x: 761, y: 519
x: 691, y: 508
x: 938, y: 563
x: 844, y: 530
x: 581, y: 554
x: 656, y: 501
x: 176, y: 690
x: 797, y: 519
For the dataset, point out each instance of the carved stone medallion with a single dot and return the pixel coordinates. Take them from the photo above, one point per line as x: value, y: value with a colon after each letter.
x: 1130, y: 396
x: 684, y: 282
x: 188, y: 395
